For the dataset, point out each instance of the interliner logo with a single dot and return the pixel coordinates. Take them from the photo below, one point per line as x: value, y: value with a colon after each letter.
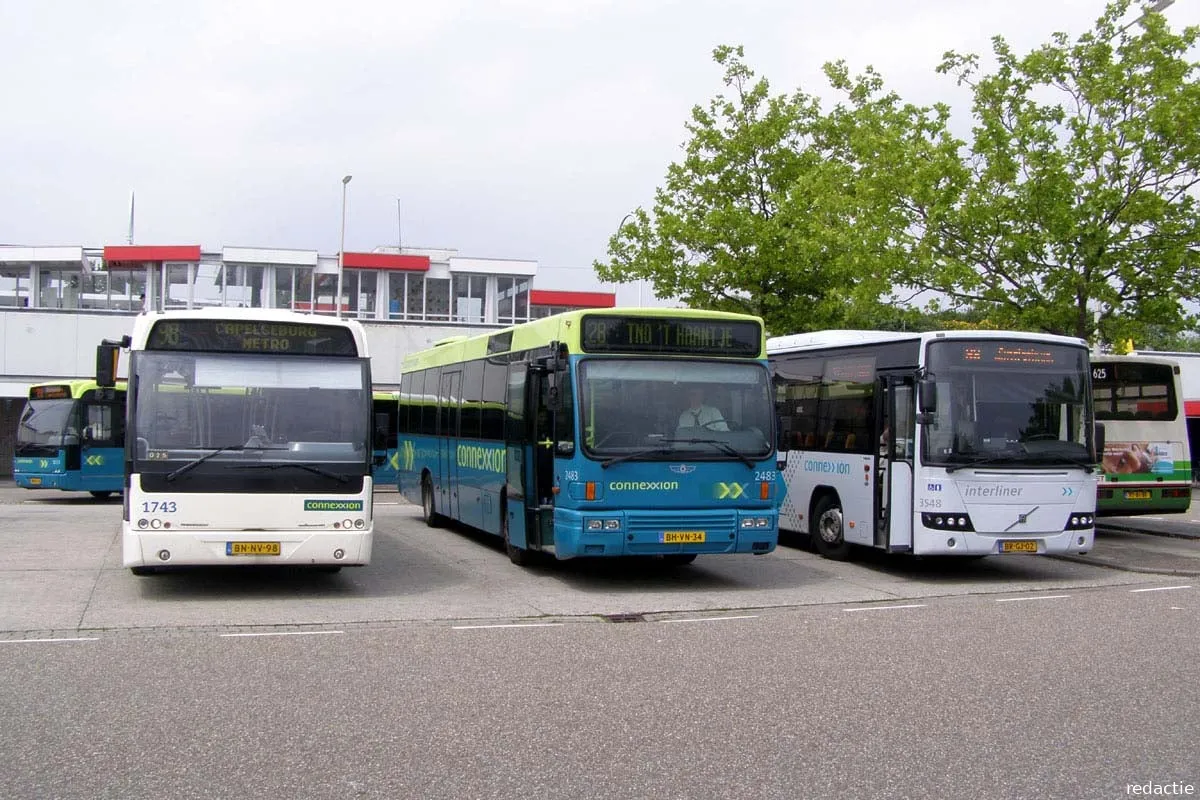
x: 992, y: 491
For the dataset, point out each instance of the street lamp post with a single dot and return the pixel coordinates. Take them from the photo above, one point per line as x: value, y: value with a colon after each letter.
x: 337, y: 301
x: 621, y: 225
x: 1155, y: 8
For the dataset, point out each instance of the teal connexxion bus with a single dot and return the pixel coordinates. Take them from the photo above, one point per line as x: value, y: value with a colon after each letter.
x: 576, y: 435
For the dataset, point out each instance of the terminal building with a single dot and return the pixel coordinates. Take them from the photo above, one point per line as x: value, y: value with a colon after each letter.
x: 58, y: 303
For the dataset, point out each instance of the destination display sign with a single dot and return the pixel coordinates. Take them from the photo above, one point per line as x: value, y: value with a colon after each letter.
x: 56, y: 392
x: 671, y: 335
x: 233, y: 336
x: 1012, y: 353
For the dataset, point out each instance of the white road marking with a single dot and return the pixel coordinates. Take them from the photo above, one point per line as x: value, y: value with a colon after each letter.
x: 712, y: 619
x: 514, y: 625
x: 32, y: 641
x: 1039, y: 597
x: 283, y: 633
x: 885, y: 608
x: 1161, y: 589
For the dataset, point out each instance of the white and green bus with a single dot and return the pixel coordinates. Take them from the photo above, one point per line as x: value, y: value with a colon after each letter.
x: 249, y: 441
x: 1147, y: 467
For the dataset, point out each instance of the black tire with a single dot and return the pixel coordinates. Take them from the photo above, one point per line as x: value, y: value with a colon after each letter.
x: 827, y: 529
x: 679, y: 559
x: 517, y: 555
x: 100, y: 495
x: 428, y: 510
x: 142, y: 572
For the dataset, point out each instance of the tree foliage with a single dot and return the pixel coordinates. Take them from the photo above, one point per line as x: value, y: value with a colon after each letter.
x: 1072, y: 209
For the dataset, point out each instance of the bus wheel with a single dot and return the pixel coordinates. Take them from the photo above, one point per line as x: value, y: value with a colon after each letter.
x: 679, y: 559
x: 142, y: 572
x: 827, y: 529
x: 518, y: 555
x: 428, y: 513
x: 100, y: 495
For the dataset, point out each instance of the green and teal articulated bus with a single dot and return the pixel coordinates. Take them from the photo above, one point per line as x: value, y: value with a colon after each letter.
x: 71, y: 437
x: 581, y: 434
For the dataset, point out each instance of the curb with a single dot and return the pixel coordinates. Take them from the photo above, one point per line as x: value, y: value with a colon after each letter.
x: 1182, y: 573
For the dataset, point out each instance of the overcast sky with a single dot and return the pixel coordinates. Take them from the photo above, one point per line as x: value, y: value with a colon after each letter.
x: 505, y: 128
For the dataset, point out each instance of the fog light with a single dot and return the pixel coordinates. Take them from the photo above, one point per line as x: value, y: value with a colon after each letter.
x: 156, y: 523
x: 143, y: 524
x: 950, y: 542
x: 1081, y: 541
x: 339, y: 553
x: 164, y: 555
x: 347, y: 523
x: 358, y: 523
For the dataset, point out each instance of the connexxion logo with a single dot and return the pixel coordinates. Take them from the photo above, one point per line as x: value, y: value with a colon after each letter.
x: 333, y: 505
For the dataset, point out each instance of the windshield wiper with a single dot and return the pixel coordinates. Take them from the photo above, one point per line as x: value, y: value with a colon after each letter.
x: 193, y: 464
x: 281, y: 464
x: 724, y: 447
x: 980, y: 460
x: 646, y: 451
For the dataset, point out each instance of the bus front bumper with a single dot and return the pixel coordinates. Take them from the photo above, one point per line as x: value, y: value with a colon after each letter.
x: 245, y: 548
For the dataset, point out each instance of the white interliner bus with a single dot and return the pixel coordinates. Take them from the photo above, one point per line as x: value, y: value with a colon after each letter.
x: 938, y: 443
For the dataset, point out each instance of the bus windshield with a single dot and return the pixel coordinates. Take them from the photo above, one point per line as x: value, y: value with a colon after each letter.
x: 44, y: 424
x: 1025, y: 405
x: 675, y: 409
x: 230, y: 408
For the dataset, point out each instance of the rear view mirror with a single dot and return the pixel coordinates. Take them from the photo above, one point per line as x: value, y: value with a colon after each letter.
x: 926, y: 396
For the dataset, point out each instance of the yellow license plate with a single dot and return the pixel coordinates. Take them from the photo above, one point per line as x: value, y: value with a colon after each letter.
x: 683, y: 537
x: 252, y: 548
x: 1137, y: 494
x: 35, y: 481
x: 1018, y: 546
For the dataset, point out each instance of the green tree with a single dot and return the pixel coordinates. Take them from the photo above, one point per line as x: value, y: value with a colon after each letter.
x: 1080, y: 215
x: 757, y: 216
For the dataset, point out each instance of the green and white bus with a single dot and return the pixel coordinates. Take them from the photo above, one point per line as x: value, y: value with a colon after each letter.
x: 569, y: 435
x: 1147, y: 465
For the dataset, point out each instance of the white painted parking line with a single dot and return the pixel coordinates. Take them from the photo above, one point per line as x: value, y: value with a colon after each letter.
x: 33, y: 641
x: 885, y: 608
x: 1161, y: 589
x: 282, y: 633
x: 712, y: 619
x: 517, y: 625
x: 1039, y: 597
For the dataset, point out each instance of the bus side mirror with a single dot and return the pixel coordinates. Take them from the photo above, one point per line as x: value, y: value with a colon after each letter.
x: 1098, y: 437
x: 926, y: 396
x: 553, y: 398
x: 106, y: 363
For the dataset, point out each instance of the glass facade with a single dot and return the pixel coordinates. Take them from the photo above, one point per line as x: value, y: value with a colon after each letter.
x: 368, y: 294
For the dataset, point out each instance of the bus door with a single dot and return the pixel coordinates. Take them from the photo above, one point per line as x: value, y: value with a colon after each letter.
x: 448, y: 421
x: 894, y: 463
x: 102, y: 457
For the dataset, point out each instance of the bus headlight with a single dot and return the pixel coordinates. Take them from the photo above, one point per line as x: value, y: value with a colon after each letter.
x: 603, y: 525
x: 756, y: 522
x: 1081, y: 522
x: 956, y: 521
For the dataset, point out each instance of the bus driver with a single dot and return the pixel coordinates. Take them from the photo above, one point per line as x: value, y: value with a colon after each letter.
x: 699, y: 415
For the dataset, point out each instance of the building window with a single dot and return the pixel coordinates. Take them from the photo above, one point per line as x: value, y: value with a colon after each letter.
x: 176, y: 286
x: 512, y: 300
x: 14, y: 286
x: 127, y: 289
x: 360, y: 287
x: 470, y: 298
x: 93, y: 291
x: 242, y: 286
x: 324, y: 288
x: 58, y: 289
x: 437, y: 299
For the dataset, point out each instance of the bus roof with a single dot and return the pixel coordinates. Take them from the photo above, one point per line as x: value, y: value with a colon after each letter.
x: 78, y: 386
x: 1135, y: 358
x: 145, y: 322
x: 847, y: 338
x: 563, y: 328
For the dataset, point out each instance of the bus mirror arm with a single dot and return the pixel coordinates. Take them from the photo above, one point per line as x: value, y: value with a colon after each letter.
x: 781, y: 459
